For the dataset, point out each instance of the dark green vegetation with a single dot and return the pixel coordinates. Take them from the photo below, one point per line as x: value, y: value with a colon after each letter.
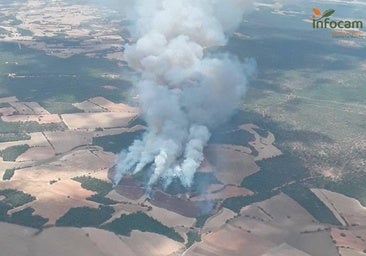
x: 4, y: 105
x: 350, y: 184
x: 14, y: 131
x: 100, y: 186
x: 201, y: 220
x: 25, y: 218
x: 284, y: 173
x: 20, y: 128
x: 236, y: 137
x: 15, y: 198
x: 275, y: 173
x: 115, y: 143
x: 140, y: 221
x: 85, y: 217
x: 101, y: 199
x: 11, y: 153
x: 236, y: 203
x: 55, y: 82
x: 283, y: 132
x: 311, y: 203
x: 230, y: 133
x: 193, y: 236
x: 305, y: 101
x: 8, y: 174
x: 5, y: 137
x: 4, y: 208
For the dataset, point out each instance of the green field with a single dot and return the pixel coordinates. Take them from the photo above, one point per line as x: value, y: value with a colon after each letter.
x: 140, y: 221
x: 193, y: 237
x: 15, y: 198
x: 101, y: 187
x: 25, y: 217
x: 275, y: 173
x: 236, y: 203
x: 54, y: 82
x: 201, y: 220
x: 115, y: 143
x: 85, y: 217
x: 8, y: 174
x: 12, y: 153
x: 14, y: 129
x: 350, y: 184
x: 101, y: 200
x: 311, y: 203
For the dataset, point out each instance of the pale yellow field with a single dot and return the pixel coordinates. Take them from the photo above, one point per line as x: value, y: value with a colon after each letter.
x: 111, y: 106
x: 53, y: 201
x: 8, y: 99
x: 7, y: 111
x: 41, y: 119
x: 89, y: 107
x: 61, y: 242
x: 37, y: 140
x: 285, y: 250
x: 65, y: 141
x: 37, y: 109
x: 223, y: 193
x: 145, y: 243
x: 231, y: 166
x: 89, y: 158
x: 350, y: 252
x: 264, y: 146
x: 282, y: 220
x: 9, y: 165
x: 125, y: 208
x: 119, y: 198
x: 230, y: 241
x: 218, y: 220
x: 92, y: 121
x: 169, y: 218
x: 114, y: 131
x: 346, y: 239
x: 109, y: 243
x: 22, y: 108
x: 36, y: 154
x: 345, y: 209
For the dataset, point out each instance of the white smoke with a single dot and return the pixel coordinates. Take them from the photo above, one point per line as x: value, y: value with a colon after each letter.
x: 183, y: 90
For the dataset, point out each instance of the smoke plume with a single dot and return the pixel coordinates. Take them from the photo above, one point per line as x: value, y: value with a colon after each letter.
x: 184, y: 91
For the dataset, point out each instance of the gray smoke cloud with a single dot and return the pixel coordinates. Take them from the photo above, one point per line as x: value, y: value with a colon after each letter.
x: 183, y: 90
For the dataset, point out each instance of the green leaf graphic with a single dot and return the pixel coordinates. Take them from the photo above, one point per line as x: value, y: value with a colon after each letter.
x: 327, y: 13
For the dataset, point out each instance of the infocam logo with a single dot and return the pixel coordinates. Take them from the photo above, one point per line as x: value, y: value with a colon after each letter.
x: 323, y: 20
